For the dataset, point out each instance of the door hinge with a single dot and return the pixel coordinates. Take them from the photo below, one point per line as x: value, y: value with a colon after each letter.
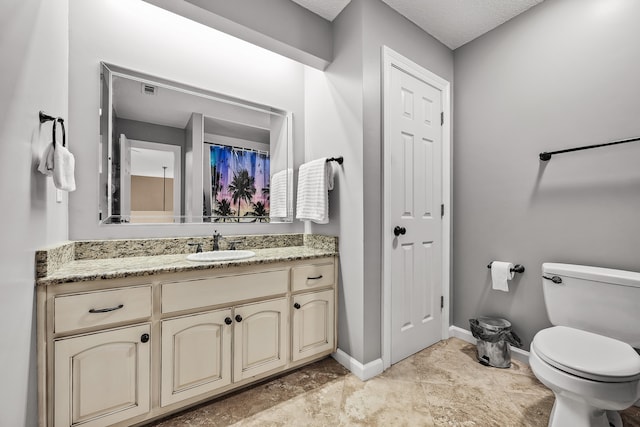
x: 442, y: 210
x: 441, y: 302
x: 442, y: 118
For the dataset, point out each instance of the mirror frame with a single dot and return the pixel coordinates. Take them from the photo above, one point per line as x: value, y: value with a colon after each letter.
x: 105, y: 182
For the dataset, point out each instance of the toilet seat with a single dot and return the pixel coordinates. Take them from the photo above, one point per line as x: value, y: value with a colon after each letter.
x: 587, y: 355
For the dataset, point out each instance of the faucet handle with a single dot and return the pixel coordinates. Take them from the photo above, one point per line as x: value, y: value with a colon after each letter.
x: 197, y: 245
x: 233, y: 243
x: 216, y: 240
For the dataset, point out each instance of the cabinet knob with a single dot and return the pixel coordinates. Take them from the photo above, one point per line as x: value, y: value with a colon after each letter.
x: 228, y: 321
x: 238, y: 318
x: 144, y: 338
x: 296, y: 306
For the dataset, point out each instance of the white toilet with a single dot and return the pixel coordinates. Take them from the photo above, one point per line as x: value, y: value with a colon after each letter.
x: 588, y: 359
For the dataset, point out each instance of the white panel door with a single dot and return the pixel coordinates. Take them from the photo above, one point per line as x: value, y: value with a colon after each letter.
x: 415, y: 199
x: 312, y: 324
x: 196, y: 355
x: 260, y: 338
x: 103, y: 378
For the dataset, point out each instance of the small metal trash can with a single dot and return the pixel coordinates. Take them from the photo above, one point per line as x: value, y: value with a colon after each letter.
x: 494, y: 337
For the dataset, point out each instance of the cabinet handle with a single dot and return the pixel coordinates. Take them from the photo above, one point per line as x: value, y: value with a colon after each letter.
x: 238, y: 318
x: 144, y: 338
x: 296, y: 306
x: 105, y: 310
x: 315, y: 278
x: 228, y: 321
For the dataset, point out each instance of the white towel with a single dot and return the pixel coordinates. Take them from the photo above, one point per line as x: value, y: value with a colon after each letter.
x: 63, y: 169
x: 46, y: 160
x: 280, y: 182
x: 315, y: 179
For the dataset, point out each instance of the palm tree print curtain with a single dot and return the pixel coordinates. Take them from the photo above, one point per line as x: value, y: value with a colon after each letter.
x: 239, y: 184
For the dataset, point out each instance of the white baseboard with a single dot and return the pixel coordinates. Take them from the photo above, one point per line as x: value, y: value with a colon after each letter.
x: 364, y: 372
x: 516, y: 353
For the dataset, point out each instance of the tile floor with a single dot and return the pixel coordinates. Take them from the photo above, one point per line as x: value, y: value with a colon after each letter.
x: 442, y: 385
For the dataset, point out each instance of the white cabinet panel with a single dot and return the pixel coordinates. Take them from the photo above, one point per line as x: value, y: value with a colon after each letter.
x: 102, y: 378
x: 187, y: 295
x: 260, y: 338
x: 196, y: 355
x: 313, y: 324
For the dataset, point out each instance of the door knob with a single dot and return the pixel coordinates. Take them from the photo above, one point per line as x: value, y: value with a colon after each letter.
x: 228, y: 320
x: 144, y: 338
x: 399, y: 230
x: 296, y: 306
x: 238, y: 318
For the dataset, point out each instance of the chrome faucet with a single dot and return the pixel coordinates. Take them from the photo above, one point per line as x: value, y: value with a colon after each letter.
x: 216, y: 240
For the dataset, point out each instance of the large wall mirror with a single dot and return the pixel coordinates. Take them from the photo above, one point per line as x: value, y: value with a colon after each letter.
x: 171, y: 153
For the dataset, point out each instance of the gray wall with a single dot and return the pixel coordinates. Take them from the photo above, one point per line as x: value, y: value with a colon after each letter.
x: 351, y: 87
x: 134, y: 36
x: 333, y: 127
x: 34, y: 48
x: 564, y: 74
x: 281, y: 26
x: 143, y: 131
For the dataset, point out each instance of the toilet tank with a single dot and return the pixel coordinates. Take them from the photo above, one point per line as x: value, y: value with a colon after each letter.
x: 600, y: 300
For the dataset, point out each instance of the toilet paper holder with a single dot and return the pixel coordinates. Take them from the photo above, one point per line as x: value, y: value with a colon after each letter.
x: 518, y: 268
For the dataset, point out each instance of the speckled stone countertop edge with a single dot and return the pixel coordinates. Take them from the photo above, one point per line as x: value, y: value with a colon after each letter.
x: 50, y: 259
x: 114, y: 268
x: 53, y: 258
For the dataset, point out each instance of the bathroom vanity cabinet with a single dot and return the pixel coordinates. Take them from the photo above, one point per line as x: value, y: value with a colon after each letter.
x: 124, y: 351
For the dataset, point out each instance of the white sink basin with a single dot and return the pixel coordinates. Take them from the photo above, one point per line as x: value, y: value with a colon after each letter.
x: 213, y: 256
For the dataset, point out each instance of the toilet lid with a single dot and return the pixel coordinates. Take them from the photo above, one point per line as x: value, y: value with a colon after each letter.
x: 587, y: 355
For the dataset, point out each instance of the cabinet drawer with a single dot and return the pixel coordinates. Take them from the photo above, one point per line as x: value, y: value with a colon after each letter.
x: 100, y: 308
x: 312, y: 276
x: 199, y: 293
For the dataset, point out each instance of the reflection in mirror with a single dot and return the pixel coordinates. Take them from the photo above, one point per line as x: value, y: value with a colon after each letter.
x: 174, y: 154
x: 152, y: 181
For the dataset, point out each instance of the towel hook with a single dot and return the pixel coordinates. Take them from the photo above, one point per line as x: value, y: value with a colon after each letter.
x: 64, y: 132
x: 53, y: 133
x: 44, y: 117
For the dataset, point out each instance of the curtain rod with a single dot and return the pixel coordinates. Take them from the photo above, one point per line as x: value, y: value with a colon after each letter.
x: 545, y: 156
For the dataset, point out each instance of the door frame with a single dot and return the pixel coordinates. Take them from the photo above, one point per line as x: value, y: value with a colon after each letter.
x: 390, y: 59
x: 177, y: 168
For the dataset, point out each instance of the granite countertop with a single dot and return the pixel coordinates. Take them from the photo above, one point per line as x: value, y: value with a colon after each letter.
x: 79, y: 270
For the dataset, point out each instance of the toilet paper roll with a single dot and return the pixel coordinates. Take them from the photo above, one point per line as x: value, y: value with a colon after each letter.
x: 501, y: 272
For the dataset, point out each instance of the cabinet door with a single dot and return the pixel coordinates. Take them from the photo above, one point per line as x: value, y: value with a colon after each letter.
x: 312, y: 324
x: 102, y: 378
x: 196, y: 355
x: 260, y: 338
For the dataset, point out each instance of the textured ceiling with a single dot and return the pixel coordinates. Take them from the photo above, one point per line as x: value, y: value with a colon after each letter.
x: 453, y: 22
